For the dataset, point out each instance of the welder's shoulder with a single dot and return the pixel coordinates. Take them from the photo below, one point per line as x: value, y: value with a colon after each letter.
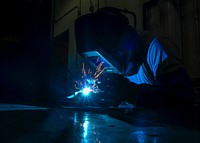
x: 172, y: 61
x: 169, y: 46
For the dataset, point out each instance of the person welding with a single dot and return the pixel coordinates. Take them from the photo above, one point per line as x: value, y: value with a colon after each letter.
x: 150, y: 71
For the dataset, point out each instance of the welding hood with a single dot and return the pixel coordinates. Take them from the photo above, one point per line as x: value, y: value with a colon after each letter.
x: 105, y: 36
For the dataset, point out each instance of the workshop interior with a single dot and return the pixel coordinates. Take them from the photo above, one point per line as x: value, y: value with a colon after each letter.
x: 55, y: 53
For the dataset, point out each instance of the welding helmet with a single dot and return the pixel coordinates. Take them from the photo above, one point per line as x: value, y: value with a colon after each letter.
x: 107, y: 36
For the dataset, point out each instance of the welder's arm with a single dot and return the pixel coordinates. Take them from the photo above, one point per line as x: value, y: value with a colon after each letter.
x: 148, y: 95
x: 115, y: 86
x: 159, y: 95
x: 121, y: 89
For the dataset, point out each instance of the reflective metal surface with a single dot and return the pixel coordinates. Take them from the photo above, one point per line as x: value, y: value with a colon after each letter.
x: 73, y: 125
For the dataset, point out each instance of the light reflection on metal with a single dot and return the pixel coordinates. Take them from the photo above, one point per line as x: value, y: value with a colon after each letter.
x: 155, y: 140
x: 75, y: 118
x: 88, y: 130
x: 85, y: 127
x: 140, y: 135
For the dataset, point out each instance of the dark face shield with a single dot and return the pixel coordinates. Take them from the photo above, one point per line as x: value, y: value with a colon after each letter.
x: 108, y: 38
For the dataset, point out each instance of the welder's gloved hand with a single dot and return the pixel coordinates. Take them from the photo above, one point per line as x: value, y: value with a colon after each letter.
x: 117, y: 87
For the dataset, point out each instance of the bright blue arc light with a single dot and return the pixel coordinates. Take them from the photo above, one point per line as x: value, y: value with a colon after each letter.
x: 86, y: 91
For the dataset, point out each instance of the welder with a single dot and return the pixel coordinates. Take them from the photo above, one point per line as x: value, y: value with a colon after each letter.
x: 153, y: 75
x: 147, y: 69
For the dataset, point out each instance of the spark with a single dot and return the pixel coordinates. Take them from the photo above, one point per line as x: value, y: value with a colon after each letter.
x: 89, y: 81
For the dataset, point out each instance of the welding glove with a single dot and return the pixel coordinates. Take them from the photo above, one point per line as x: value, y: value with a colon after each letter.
x: 118, y: 88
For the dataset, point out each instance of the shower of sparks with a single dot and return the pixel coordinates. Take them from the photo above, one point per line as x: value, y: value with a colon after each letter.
x: 89, y: 80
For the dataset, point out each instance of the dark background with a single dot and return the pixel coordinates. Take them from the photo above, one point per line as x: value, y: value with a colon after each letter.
x: 25, y: 51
